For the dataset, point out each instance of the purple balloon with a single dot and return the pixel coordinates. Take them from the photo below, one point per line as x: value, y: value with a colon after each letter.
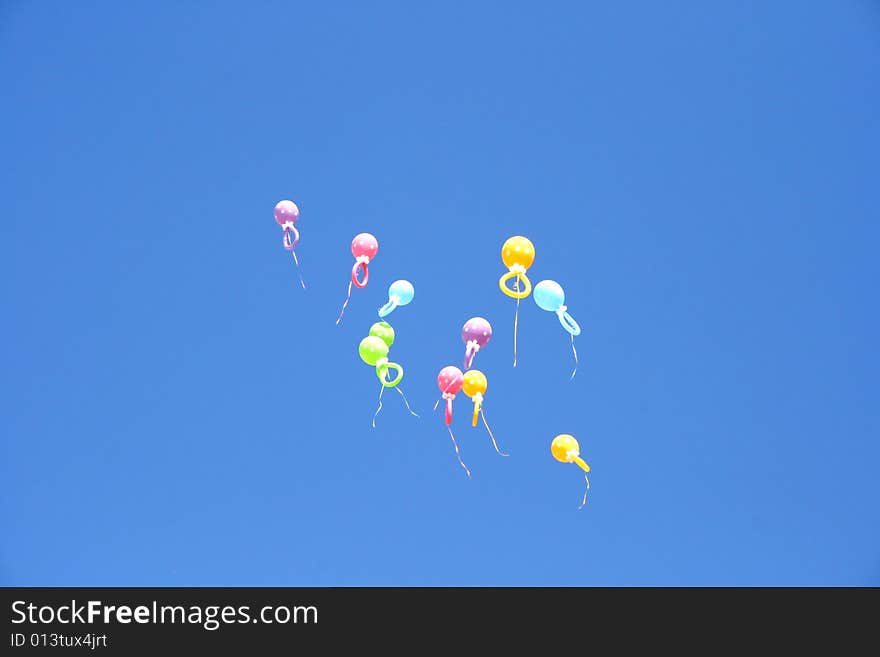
x: 476, y: 334
x: 286, y: 211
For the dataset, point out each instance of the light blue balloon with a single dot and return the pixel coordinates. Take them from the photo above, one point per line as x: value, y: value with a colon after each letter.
x: 548, y: 295
x: 403, y: 290
x: 400, y: 293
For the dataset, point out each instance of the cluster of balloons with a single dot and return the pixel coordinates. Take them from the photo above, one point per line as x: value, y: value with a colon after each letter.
x: 518, y: 255
x: 374, y: 350
x: 475, y: 334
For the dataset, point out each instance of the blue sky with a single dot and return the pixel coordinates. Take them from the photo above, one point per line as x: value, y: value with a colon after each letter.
x: 701, y: 179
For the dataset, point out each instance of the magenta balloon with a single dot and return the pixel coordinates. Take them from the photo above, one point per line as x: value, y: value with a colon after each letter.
x: 477, y: 329
x: 286, y: 211
x: 450, y: 380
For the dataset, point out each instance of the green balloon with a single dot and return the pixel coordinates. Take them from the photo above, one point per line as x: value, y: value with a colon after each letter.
x: 372, y: 349
x: 383, y: 331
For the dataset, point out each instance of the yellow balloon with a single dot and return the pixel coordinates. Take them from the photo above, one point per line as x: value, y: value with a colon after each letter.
x: 518, y: 251
x: 565, y: 448
x: 474, y: 382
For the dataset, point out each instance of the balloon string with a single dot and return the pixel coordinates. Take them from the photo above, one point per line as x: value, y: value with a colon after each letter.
x: 584, y: 502
x: 405, y: 401
x: 574, y: 351
x: 458, y: 453
x: 339, y: 319
x: 437, y: 403
x: 515, y: 319
x: 375, y: 415
x: 298, y: 269
x: 491, y: 435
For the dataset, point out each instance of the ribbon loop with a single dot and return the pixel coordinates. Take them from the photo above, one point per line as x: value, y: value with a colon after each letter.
x: 567, y: 321
x: 360, y: 263
x: 290, y: 244
x: 382, y: 368
x: 519, y: 274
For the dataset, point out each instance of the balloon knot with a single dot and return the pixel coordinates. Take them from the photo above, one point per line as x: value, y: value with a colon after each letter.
x: 473, y: 344
x: 362, y: 258
x: 561, y: 310
x: 448, y: 395
x: 517, y: 269
x: 287, y: 225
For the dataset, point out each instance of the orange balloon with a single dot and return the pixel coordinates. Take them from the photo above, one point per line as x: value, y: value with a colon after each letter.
x: 518, y: 251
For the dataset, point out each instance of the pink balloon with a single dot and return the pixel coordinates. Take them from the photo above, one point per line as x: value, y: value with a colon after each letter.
x: 450, y: 380
x: 286, y: 211
x: 364, y: 244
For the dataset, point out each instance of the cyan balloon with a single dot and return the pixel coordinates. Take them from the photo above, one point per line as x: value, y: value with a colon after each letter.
x: 549, y: 295
x: 400, y: 293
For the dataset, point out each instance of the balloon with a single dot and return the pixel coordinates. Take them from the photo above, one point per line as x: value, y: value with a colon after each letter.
x: 374, y: 350
x: 474, y: 384
x: 400, y: 293
x: 518, y: 251
x: 518, y: 254
x: 286, y: 215
x: 364, y: 248
x: 475, y: 334
x: 565, y: 449
x: 383, y: 331
x: 550, y: 296
x: 450, y: 381
x: 286, y: 212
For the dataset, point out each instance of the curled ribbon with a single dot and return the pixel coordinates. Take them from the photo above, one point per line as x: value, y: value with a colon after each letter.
x: 584, y: 501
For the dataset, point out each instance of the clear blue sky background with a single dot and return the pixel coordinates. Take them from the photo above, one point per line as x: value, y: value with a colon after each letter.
x: 701, y: 178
